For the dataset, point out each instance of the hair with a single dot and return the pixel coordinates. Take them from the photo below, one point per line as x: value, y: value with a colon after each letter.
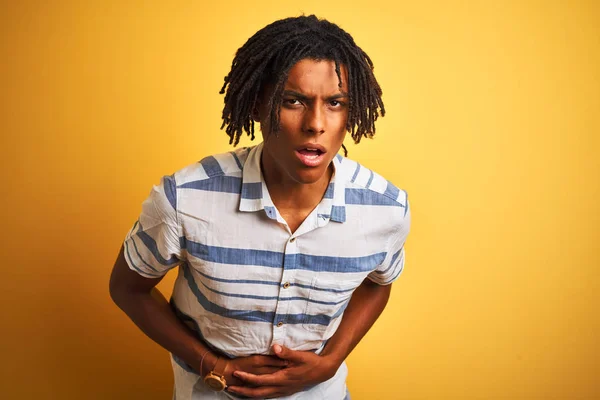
x: 266, y: 59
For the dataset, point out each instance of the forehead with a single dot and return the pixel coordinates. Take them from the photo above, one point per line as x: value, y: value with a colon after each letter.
x: 316, y: 76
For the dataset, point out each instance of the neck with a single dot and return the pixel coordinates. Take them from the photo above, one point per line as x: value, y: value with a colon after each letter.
x: 289, y: 194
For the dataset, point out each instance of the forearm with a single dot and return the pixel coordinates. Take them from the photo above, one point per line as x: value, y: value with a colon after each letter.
x: 151, y: 312
x: 366, y: 304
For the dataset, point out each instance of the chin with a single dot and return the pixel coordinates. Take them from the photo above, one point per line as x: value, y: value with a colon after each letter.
x: 309, y: 176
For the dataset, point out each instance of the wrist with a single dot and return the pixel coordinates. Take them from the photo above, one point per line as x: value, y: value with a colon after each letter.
x: 331, y: 363
x: 207, y: 363
x: 334, y: 354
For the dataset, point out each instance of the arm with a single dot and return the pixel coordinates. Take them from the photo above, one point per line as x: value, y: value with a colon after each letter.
x: 366, y: 305
x: 138, y: 297
x: 306, y: 368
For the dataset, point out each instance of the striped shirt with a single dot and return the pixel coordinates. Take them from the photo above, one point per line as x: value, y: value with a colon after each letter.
x: 245, y: 280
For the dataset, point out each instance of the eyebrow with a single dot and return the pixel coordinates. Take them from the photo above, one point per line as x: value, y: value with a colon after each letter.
x: 301, y: 96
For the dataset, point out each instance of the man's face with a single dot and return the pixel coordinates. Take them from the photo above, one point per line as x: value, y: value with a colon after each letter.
x: 312, y: 124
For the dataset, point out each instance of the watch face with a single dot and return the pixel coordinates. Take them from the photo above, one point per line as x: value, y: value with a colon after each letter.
x: 216, y: 383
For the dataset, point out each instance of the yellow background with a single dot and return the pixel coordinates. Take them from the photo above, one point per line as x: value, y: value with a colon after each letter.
x: 493, y: 128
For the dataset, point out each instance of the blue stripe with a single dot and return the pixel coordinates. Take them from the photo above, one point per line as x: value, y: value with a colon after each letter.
x: 405, y: 205
x: 256, y: 297
x: 329, y: 192
x: 270, y: 283
x: 356, y: 171
x: 171, y: 190
x: 338, y: 213
x: 370, y: 179
x: 319, y: 319
x: 237, y: 160
x: 367, y: 197
x: 336, y: 264
x: 152, y: 246
x: 322, y: 289
x: 241, y: 296
x: 196, y: 329
x: 396, y: 276
x: 339, y: 157
x: 392, y: 191
x: 140, y: 256
x: 131, y: 260
x: 391, y: 262
x: 134, y: 226
x: 252, y: 191
x: 245, y: 315
x: 243, y: 281
x: 221, y: 184
x: 226, y: 255
x: 211, y: 167
x: 273, y: 259
x: 255, y: 315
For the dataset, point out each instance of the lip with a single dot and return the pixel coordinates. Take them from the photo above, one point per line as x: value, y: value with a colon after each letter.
x: 312, y: 146
x: 310, y: 160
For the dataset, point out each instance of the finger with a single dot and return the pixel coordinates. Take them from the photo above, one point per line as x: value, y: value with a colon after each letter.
x: 260, y: 361
x: 288, y: 354
x: 275, y: 379
x: 265, y: 392
x: 265, y: 370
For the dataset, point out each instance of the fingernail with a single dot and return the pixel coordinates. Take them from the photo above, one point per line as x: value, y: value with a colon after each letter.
x: 277, y: 348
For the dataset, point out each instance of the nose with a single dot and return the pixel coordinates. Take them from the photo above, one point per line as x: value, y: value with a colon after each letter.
x: 314, y: 121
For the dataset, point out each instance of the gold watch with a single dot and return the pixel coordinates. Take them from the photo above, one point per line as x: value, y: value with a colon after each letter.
x: 216, y: 380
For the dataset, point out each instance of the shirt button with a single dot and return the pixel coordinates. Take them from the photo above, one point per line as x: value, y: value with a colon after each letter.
x: 279, y: 324
x: 292, y: 240
x: 286, y: 285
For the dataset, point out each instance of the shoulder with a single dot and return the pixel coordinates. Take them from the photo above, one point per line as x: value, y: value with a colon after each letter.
x: 229, y: 164
x: 215, y: 173
x: 366, y: 187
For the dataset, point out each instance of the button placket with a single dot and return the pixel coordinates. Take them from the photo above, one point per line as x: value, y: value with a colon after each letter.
x: 282, y: 308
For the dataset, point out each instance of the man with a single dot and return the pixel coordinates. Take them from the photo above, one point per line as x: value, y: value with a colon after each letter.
x: 286, y: 251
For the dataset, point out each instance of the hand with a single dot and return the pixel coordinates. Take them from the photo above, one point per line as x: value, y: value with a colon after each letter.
x: 256, y: 365
x: 304, y: 368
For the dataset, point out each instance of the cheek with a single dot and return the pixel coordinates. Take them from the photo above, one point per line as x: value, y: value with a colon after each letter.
x: 290, y: 120
x: 338, y: 121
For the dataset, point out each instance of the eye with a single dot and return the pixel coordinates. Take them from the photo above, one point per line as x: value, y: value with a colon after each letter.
x: 336, y: 104
x: 291, y: 102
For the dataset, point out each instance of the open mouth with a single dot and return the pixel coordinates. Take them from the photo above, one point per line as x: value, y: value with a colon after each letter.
x: 308, y: 152
x: 310, y: 156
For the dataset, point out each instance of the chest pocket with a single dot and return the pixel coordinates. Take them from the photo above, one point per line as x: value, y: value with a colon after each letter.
x: 327, y: 300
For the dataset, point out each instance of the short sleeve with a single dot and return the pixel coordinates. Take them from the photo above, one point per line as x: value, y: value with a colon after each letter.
x: 152, y: 246
x: 393, y: 264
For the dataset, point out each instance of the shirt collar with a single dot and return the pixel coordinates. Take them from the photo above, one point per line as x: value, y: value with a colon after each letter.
x: 255, y: 196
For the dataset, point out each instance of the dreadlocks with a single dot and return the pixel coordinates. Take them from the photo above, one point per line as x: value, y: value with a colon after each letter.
x: 267, y: 57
